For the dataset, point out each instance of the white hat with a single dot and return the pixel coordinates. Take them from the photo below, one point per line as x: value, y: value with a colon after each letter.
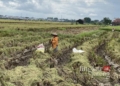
x: 54, y: 34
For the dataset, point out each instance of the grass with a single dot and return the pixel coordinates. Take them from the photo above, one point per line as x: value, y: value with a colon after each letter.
x: 20, y: 35
x: 38, y: 26
x: 109, y: 28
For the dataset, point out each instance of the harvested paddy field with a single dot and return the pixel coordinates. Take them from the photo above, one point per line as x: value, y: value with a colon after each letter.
x: 21, y: 65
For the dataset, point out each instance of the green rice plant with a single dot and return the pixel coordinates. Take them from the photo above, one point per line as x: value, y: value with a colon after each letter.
x: 62, y: 28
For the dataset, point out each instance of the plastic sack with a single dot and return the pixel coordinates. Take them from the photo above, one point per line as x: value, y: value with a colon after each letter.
x: 41, y: 48
x: 77, y: 51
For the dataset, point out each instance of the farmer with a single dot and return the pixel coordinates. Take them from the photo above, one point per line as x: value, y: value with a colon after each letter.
x: 54, y: 42
x: 113, y: 29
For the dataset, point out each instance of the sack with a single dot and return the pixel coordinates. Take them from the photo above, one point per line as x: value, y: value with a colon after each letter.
x: 77, y: 51
x: 41, y: 48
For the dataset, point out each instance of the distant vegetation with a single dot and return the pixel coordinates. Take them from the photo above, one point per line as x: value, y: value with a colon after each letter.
x: 85, y: 20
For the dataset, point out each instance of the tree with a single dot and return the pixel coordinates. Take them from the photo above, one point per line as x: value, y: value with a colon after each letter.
x: 95, y: 22
x: 106, y: 21
x: 80, y: 21
x: 87, y: 20
x: 116, y: 21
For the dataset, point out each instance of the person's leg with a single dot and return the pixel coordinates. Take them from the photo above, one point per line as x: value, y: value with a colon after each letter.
x: 56, y: 49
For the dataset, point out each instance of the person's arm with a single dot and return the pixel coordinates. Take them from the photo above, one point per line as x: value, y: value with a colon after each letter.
x: 54, y: 41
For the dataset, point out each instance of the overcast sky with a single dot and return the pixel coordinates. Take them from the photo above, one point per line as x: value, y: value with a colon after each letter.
x: 71, y: 9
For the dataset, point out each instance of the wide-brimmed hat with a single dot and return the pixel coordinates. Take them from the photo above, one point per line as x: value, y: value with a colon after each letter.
x: 55, y: 34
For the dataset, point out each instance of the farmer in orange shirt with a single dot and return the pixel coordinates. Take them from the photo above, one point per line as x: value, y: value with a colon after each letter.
x: 54, y: 42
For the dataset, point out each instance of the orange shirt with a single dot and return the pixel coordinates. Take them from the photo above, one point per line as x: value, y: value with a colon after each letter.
x: 54, y: 42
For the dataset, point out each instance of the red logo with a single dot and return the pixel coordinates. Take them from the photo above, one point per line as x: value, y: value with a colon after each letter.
x: 106, y: 68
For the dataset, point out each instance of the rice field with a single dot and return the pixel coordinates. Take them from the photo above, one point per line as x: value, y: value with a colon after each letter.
x: 21, y: 65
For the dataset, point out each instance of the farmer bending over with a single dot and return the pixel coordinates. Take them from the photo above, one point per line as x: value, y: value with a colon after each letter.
x: 54, y: 42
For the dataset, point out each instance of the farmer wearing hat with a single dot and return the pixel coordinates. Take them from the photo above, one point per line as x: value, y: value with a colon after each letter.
x: 54, y: 42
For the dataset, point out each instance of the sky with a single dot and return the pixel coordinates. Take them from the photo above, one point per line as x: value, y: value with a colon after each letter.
x: 67, y: 9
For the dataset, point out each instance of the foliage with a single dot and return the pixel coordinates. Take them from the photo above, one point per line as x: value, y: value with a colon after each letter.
x: 95, y: 22
x: 107, y: 21
x: 87, y: 19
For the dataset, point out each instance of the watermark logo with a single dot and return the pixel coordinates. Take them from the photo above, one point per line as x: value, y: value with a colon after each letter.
x: 85, y: 69
x: 96, y: 72
x: 99, y: 72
